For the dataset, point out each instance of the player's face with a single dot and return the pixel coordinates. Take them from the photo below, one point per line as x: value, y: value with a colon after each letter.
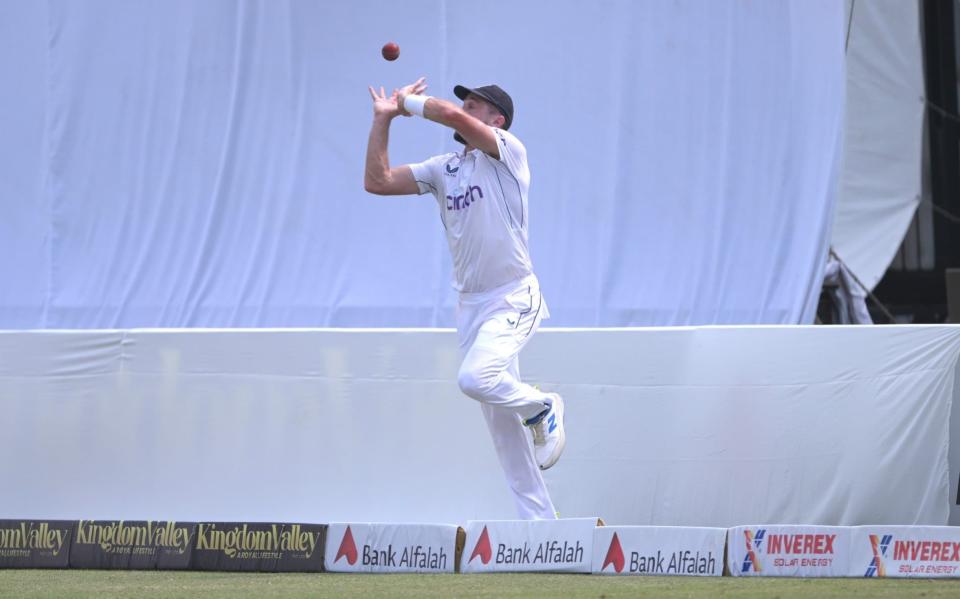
x: 482, y: 110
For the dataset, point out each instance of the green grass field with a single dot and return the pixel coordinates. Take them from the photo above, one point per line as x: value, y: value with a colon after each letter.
x: 97, y: 583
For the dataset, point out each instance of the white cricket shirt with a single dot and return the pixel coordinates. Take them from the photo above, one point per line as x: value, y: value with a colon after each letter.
x: 483, y: 206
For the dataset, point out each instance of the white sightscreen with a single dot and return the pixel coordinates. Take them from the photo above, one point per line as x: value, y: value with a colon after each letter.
x: 185, y: 163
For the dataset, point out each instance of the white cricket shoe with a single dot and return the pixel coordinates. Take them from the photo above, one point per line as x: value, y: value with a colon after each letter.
x: 549, y: 437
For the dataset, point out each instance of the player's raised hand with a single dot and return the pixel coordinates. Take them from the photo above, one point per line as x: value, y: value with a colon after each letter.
x: 417, y: 87
x: 384, y: 105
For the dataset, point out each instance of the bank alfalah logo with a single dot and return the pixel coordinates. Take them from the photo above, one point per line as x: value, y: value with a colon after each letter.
x: 614, y: 555
x: 482, y: 549
x: 348, y: 548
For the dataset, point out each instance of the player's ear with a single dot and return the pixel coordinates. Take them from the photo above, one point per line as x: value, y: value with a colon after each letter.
x: 499, y: 121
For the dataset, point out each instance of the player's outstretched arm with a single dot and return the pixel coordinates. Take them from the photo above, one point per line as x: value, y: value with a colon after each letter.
x: 378, y: 177
x: 477, y: 133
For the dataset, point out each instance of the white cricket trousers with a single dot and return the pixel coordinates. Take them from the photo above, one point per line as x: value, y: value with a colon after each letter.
x: 493, y: 327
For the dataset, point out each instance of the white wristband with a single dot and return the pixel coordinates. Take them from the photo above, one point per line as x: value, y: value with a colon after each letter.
x: 414, y: 104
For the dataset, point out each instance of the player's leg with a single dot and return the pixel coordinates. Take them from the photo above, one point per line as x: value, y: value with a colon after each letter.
x: 512, y: 442
x: 489, y: 375
x: 511, y: 439
x: 503, y: 327
x: 485, y: 372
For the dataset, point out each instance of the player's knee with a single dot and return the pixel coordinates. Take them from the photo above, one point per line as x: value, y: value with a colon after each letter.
x: 473, y: 384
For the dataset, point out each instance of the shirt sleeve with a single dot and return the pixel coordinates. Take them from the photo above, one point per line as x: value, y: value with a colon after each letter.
x: 427, y: 174
x: 512, y: 152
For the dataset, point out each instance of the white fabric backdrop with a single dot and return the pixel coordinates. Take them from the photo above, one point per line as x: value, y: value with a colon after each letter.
x: 712, y: 426
x: 200, y: 163
x: 881, y: 183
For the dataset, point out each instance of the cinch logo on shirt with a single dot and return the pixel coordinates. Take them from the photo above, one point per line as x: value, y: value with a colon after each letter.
x: 462, y: 202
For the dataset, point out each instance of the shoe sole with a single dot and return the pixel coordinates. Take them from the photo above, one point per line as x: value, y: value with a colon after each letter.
x: 558, y: 406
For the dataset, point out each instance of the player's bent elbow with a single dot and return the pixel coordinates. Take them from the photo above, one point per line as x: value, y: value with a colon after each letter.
x: 373, y: 187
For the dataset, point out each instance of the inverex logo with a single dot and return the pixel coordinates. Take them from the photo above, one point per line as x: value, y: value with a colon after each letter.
x: 924, y: 550
x: 879, y: 545
x: 790, y: 550
x: 911, y: 552
x: 796, y: 544
x: 754, y: 544
x: 794, y: 549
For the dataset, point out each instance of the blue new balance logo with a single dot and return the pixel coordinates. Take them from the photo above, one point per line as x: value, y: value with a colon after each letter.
x: 552, y: 421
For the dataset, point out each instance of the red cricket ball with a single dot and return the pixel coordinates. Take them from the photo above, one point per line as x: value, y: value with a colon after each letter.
x: 391, y: 51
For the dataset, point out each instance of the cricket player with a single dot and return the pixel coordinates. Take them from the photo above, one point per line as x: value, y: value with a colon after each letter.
x: 482, y: 196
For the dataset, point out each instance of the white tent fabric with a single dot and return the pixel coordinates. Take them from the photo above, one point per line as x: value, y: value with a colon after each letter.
x: 200, y: 163
x: 881, y: 181
x: 848, y: 297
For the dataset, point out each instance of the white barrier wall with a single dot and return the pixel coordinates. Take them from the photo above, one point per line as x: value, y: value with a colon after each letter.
x: 715, y: 426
